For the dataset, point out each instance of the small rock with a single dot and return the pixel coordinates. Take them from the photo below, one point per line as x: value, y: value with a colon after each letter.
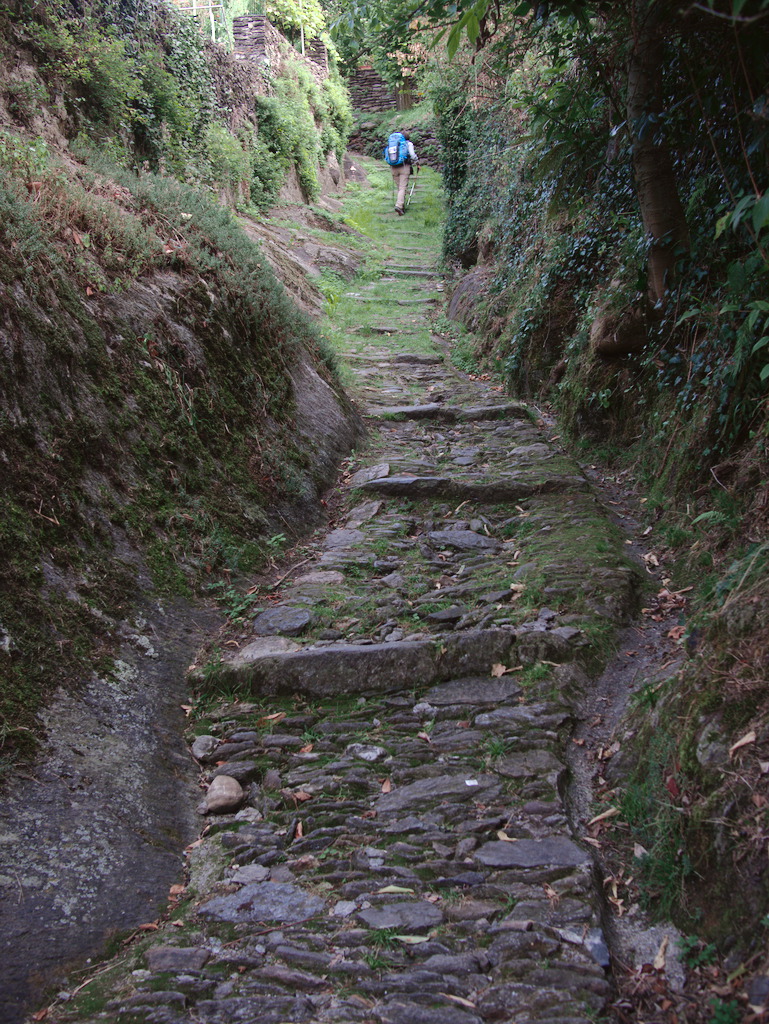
x: 366, y: 751
x: 202, y: 746
x: 343, y: 908
x: 224, y: 794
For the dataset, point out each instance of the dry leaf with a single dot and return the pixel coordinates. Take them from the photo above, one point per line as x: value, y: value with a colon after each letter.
x: 299, y: 833
x: 187, y: 709
x: 612, y: 811
x: 551, y: 894
x: 749, y: 737
x: 505, y: 838
x: 458, y: 999
x: 423, y: 736
x: 151, y: 926
x: 277, y: 717
x: 593, y: 842
x: 386, y: 786
x: 498, y: 670
x: 412, y: 940
x: 306, y: 749
x: 394, y: 888
x: 659, y: 960
x: 41, y: 1014
x: 175, y: 891
x: 676, y: 632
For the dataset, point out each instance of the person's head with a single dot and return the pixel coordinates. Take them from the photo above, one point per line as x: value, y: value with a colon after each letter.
x: 405, y: 135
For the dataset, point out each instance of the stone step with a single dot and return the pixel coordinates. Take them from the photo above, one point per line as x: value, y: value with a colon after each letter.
x: 258, y: 669
x: 483, y: 491
x: 454, y: 414
x: 397, y: 302
x: 398, y: 272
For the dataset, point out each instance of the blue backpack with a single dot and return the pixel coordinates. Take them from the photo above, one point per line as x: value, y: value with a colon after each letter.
x: 397, y: 151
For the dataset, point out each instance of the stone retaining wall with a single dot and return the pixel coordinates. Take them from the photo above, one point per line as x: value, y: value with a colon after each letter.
x: 256, y: 39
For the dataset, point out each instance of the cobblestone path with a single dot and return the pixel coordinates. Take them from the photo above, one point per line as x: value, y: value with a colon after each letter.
x: 387, y: 832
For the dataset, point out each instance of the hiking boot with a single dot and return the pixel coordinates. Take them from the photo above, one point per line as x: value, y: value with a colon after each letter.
x: 399, y: 211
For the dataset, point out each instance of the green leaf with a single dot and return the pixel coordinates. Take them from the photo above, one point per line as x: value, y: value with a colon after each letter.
x: 761, y: 343
x: 722, y: 224
x: 473, y: 28
x: 737, y: 6
x: 453, y: 41
x: 761, y: 213
x: 765, y: 372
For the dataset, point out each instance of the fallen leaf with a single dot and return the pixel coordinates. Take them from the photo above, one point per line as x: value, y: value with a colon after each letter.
x: 386, y: 785
x: 395, y: 888
x: 433, y: 898
x: 412, y: 940
x: 505, y: 838
x: 423, y: 736
x: 498, y: 670
x: 749, y: 737
x: 41, y: 1014
x: 299, y: 833
x: 306, y: 749
x: 551, y: 894
x: 187, y: 709
x: 458, y: 999
x: 659, y: 960
x: 672, y: 787
x: 176, y: 891
x: 150, y: 926
x: 676, y: 632
x: 612, y: 811
x: 277, y: 717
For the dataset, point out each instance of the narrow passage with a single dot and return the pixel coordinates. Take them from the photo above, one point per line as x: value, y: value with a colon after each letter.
x: 394, y: 728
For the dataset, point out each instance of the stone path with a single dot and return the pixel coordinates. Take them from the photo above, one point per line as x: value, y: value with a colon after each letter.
x: 385, y: 752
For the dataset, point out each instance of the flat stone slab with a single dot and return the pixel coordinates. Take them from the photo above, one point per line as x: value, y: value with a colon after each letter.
x: 430, y: 791
x: 408, y: 918
x: 320, y: 577
x: 368, y: 473
x: 282, y: 621
x: 528, y: 763
x: 412, y: 412
x: 556, y: 851
x: 464, y: 540
x: 177, y: 958
x: 343, y: 539
x: 473, y: 691
x: 266, y: 646
x: 417, y: 358
x: 264, y: 901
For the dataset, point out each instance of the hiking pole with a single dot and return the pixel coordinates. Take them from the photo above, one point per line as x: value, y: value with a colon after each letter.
x: 413, y: 186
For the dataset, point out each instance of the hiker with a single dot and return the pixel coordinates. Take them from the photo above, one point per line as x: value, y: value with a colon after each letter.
x: 402, y: 158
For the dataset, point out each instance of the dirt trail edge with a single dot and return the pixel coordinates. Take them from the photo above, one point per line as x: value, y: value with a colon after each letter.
x: 387, y: 835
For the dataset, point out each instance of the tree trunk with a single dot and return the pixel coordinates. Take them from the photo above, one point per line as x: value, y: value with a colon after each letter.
x: 662, y: 214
